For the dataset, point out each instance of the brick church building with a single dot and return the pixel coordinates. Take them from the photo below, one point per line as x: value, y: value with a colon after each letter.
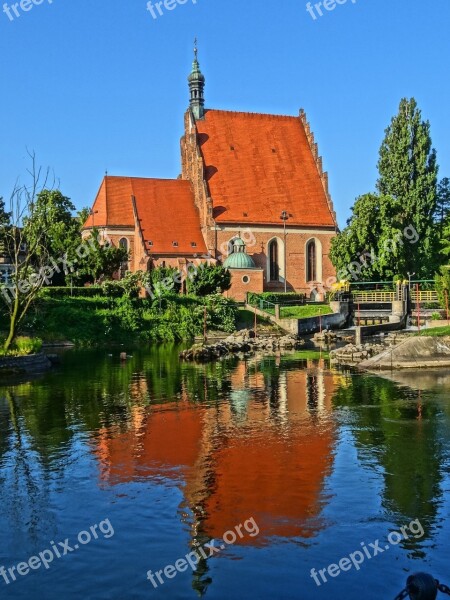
x: 252, y: 195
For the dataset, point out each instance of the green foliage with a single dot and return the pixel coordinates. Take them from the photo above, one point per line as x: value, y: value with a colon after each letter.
x: 27, y: 345
x: 443, y: 203
x: 162, y: 281
x: 98, y: 259
x: 50, y: 228
x: 108, y: 320
x: 221, y: 313
x: 276, y: 298
x: 22, y: 346
x: 71, y: 292
x: 392, y: 232
x: 209, y: 279
x: 129, y: 286
x: 443, y: 285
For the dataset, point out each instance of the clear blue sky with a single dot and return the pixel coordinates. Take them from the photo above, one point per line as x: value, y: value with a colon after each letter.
x: 93, y: 85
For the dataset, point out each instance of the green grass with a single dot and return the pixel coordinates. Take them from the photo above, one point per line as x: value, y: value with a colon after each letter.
x: 436, y: 332
x: 302, y: 312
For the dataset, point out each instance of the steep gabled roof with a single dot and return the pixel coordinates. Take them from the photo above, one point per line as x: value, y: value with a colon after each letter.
x: 258, y: 165
x: 165, y: 210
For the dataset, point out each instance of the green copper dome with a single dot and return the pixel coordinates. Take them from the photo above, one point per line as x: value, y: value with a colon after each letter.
x: 239, y: 259
x: 196, y: 74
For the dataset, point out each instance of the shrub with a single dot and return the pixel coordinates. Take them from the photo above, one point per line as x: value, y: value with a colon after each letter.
x: 68, y: 292
x: 25, y: 345
x: 209, y: 279
x: 443, y: 285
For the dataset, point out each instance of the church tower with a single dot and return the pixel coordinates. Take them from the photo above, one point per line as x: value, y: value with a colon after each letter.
x: 197, y: 88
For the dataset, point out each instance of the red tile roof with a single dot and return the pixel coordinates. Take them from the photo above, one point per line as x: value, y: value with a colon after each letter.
x: 165, y: 209
x: 258, y: 165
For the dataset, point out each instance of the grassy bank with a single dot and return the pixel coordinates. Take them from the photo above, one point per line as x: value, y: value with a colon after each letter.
x: 436, y: 332
x: 100, y: 320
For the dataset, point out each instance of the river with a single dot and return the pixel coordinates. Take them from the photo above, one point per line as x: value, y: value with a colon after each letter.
x: 299, y: 480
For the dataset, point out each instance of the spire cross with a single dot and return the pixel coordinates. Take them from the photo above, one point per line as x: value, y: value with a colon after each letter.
x: 195, y: 48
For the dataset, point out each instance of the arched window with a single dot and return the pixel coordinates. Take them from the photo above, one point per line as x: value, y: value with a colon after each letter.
x: 123, y: 243
x: 311, y: 261
x: 274, y: 266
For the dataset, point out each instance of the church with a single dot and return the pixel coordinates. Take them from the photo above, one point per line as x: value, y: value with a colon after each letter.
x: 252, y: 195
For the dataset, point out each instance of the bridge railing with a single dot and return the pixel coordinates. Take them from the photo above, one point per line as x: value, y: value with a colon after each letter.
x: 373, y: 296
x: 424, y: 296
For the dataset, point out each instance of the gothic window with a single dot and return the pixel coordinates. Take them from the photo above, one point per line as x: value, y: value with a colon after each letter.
x: 274, y: 267
x: 123, y: 243
x: 311, y: 261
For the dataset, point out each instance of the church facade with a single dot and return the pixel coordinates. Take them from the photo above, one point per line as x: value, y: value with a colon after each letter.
x: 251, y: 178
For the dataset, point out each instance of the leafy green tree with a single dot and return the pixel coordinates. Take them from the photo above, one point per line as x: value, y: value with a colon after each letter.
x: 443, y: 203
x: 83, y: 215
x: 97, y: 258
x: 209, y: 279
x: 392, y: 232
x: 162, y: 282
x: 51, y: 220
x: 408, y: 175
x: 442, y: 280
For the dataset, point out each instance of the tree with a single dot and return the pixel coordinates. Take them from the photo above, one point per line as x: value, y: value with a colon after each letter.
x: 51, y: 218
x: 443, y: 203
x: 392, y: 232
x: 408, y: 175
x: 24, y: 243
x: 97, y: 258
x: 209, y: 279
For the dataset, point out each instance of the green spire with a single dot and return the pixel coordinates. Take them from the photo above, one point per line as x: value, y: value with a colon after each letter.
x: 197, y: 87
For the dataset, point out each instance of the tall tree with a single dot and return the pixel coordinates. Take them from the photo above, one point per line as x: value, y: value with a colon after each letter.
x: 393, y: 232
x: 443, y: 203
x: 408, y: 174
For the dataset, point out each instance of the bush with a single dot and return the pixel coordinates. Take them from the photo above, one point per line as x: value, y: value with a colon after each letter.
x: 209, y: 279
x: 443, y: 285
x: 68, y: 292
x: 162, y: 282
x: 24, y: 345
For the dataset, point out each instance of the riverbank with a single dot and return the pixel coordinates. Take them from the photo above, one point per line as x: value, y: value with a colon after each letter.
x: 32, y: 364
x: 101, y: 321
x: 416, y: 352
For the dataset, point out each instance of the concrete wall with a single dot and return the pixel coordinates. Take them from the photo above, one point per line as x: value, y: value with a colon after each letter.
x: 309, y: 325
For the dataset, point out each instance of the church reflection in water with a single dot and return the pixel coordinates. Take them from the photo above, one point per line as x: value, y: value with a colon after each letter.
x: 262, y: 451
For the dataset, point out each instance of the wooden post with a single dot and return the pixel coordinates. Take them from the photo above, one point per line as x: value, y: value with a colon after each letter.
x: 254, y: 328
x: 205, y: 337
x: 359, y: 316
x: 320, y: 320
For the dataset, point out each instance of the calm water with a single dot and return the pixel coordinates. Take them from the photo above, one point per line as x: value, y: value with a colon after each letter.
x: 164, y: 457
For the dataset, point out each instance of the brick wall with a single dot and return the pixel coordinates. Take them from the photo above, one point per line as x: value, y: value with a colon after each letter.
x: 243, y: 281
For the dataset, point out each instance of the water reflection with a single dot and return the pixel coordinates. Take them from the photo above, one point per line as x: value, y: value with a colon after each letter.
x: 398, y: 433
x: 258, y: 438
x: 262, y: 453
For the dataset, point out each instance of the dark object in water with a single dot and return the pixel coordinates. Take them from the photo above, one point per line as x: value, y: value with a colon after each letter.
x: 422, y: 586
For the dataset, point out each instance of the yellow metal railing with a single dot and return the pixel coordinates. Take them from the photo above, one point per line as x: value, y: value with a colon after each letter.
x: 373, y: 296
x: 424, y: 296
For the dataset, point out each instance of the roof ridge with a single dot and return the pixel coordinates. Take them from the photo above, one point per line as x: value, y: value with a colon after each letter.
x: 129, y: 177
x: 250, y: 113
